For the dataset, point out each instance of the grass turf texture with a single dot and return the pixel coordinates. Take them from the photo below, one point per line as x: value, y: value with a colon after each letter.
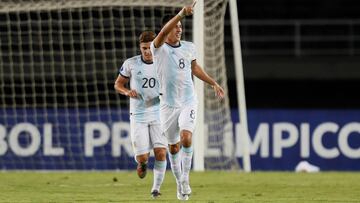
x: 210, y: 187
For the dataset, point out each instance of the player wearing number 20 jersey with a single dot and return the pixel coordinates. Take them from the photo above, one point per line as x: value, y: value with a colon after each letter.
x: 145, y: 128
x: 142, y: 77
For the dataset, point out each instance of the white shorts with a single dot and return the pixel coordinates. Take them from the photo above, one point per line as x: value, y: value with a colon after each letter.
x: 146, y: 136
x: 173, y: 120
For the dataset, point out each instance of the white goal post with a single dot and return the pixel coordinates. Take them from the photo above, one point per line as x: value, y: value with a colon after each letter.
x: 199, y: 138
x: 240, y: 86
x: 200, y: 36
x: 203, y: 36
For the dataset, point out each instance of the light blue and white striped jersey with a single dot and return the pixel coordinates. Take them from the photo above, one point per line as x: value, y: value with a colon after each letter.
x: 173, y: 66
x: 143, y: 79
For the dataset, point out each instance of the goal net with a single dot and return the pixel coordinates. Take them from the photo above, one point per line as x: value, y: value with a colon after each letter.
x: 219, y: 152
x: 58, y: 64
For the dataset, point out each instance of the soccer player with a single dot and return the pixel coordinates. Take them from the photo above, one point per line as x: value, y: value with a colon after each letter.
x: 144, y: 110
x: 175, y: 63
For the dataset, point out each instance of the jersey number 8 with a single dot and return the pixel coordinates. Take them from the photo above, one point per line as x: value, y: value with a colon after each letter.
x: 181, y: 63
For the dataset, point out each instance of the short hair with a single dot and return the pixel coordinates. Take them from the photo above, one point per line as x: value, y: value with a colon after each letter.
x: 147, y: 36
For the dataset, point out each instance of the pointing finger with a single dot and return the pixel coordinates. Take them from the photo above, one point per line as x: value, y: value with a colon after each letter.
x: 194, y: 3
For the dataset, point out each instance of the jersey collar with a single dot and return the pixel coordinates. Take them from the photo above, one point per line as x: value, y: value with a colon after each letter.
x: 146, y: 61
x: 176, y: 46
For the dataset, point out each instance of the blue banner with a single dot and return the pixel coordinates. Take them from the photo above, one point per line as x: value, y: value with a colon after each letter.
x: 65, y: 139
x: 280, y: 139
x: 99, y: 139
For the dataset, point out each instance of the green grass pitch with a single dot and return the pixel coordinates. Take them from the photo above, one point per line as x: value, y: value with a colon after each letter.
x: 209, y: 187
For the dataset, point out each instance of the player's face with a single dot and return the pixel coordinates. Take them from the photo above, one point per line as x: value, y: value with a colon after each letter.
x: 145, y: 51
x: 175, y: 34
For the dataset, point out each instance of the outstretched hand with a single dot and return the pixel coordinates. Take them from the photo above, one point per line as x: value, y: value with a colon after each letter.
x: 219, y: 92
x: 187, y: 10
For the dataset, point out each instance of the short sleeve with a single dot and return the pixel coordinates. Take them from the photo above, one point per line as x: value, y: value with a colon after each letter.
x: 153, y: 49
x: 125, y: 70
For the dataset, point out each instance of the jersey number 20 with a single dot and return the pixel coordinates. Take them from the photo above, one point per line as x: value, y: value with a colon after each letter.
x: 149, y: 83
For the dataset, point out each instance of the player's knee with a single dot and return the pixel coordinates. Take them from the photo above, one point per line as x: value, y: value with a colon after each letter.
x: 186, y: 138
x: 160, y: 154
x: 174, y: 148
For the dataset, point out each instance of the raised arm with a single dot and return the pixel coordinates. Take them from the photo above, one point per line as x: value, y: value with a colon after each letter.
x: 171, y: 24
x: 202, y: 75
x: 120, y: 87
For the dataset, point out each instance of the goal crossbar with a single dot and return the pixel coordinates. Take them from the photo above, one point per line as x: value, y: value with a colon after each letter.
x: 36, y: 5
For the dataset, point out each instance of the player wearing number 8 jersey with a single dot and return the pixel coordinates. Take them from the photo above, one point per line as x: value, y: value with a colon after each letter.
x: 144, y: 110
x: 176, y: 87
x: 175, y: 61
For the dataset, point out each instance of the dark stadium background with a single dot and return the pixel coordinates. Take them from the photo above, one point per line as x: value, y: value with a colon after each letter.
x: 296, y: 54
x: 325, y: 74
